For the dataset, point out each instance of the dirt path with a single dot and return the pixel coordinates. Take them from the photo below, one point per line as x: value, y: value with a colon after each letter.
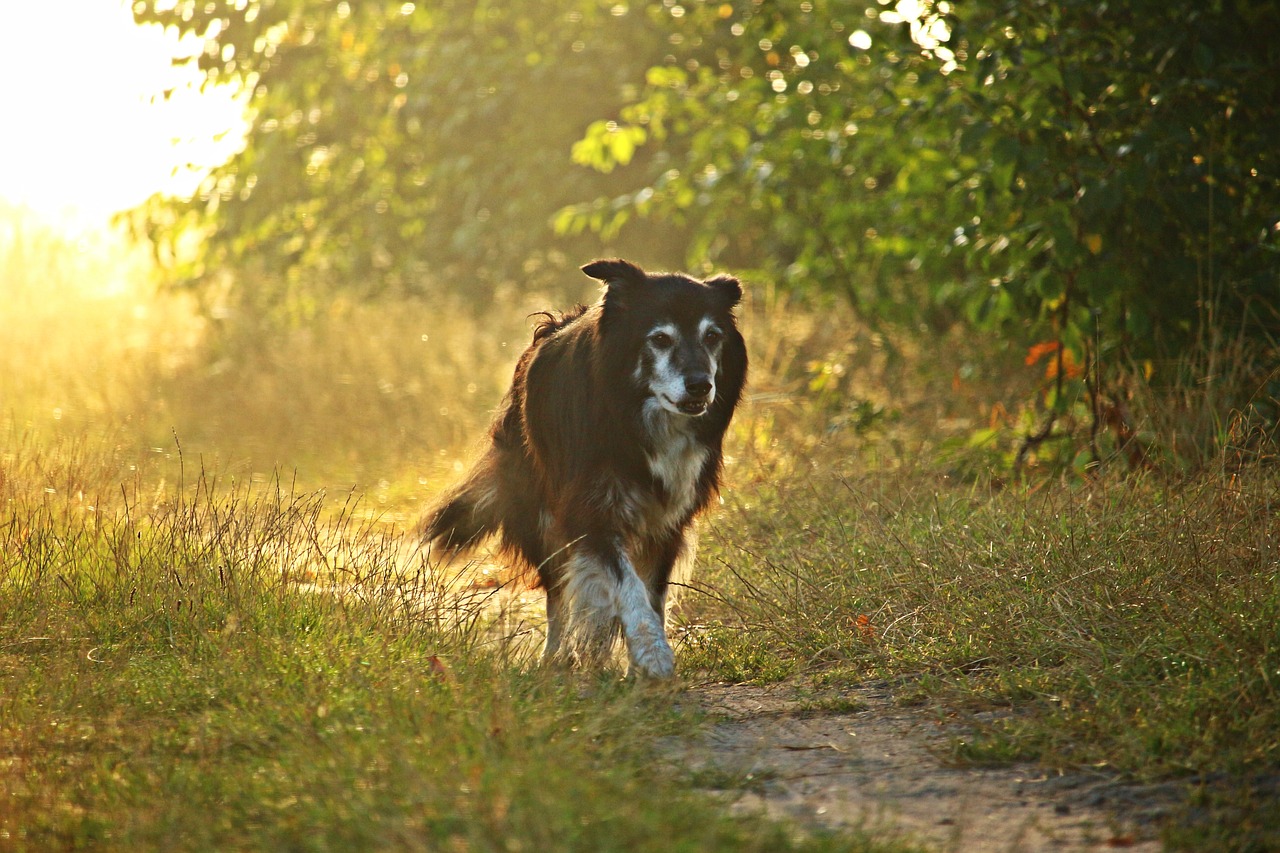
x: 781, y: 750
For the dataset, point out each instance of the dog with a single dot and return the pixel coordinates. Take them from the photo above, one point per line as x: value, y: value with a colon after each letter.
x: 601, y: 455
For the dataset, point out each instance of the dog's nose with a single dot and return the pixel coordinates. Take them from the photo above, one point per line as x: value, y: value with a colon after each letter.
x: 698, y: 386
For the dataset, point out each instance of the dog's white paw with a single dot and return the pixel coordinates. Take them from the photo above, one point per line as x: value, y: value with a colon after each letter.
x: 653, y: 660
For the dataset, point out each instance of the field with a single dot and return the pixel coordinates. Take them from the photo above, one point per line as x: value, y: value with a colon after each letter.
x: 214, y: 633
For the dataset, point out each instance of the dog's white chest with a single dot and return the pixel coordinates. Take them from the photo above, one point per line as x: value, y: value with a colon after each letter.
x: 677, y: 464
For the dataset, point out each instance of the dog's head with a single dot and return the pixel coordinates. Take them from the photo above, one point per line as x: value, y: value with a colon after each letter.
x: 676, y: 335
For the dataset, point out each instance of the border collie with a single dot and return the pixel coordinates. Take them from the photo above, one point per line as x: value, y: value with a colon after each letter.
x: 605, y: 448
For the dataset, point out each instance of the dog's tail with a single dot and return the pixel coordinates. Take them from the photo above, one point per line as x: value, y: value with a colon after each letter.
x: 465, y: 514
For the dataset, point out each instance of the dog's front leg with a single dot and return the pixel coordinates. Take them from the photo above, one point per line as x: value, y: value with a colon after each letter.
x: 642, y: 627
x: 602, y: 591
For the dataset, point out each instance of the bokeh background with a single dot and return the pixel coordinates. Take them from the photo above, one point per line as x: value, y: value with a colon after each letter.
x: 1008, y: 237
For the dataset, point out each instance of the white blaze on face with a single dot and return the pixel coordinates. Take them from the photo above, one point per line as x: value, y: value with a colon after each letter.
x: 666, y: 383
x: 672, y: 356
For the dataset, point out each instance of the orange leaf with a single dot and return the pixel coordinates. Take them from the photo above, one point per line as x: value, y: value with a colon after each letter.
x: 1070, y: 367
x: 999, y: 415
x: 1040, y: 350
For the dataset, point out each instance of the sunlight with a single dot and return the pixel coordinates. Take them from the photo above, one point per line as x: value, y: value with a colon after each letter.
x: 929, y: 28
x: 88, y: 132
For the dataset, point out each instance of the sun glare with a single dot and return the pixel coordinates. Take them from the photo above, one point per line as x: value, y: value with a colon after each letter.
x: 87, y: 131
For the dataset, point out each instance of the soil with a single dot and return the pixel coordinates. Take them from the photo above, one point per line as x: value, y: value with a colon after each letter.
x: 877, y: 766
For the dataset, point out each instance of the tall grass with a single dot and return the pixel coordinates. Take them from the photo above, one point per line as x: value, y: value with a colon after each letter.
x: 1130, y: 626
x: 389, y: 398
x: 201, y: 648
x: 82, y: 332
x: 172, y: 681
x: 184, y: 495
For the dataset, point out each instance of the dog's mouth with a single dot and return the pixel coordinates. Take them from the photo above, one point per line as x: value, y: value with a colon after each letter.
x: 693, y: 406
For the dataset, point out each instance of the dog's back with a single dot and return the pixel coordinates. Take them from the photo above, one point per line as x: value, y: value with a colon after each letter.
x: 606, y: 447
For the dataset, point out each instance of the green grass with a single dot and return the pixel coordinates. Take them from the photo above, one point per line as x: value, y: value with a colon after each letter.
x: 167, y: 683
x: 1129, y: 626
x: 170, y: 678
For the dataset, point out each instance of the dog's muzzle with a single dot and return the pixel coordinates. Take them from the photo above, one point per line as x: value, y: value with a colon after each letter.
x: 697, y: 396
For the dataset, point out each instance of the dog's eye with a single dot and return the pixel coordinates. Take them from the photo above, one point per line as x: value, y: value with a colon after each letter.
x: 661, y: 340
x: 712, y: 337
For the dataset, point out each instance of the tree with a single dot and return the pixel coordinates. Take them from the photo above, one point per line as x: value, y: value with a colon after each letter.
x: 1097, y: 183
x: 1130, y: 189
x: 392, y: 145
x: 788, y: 146
x: 1099, y: 179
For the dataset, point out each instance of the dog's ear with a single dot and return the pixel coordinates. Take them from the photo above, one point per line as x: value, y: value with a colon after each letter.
x: 620, y: 280
x: 727, y: 288
x: 615, y: 270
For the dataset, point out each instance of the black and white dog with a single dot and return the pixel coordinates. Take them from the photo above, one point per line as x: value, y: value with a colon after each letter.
x: 605, y: 448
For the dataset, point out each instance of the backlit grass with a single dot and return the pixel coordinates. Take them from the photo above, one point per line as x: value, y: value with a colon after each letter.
x: 184, y: 495
x: 171, y: 681
x: 1129, y: 626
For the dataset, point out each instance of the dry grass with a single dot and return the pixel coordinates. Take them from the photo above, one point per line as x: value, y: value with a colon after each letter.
x: 1125, y: 626
x: 172, y: 678
x: 388, y: 398
x: 176, y: 670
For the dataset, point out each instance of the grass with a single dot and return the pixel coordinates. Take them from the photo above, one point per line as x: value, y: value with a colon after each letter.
x: 1129, y: 626
x: 385, y: 398
x: 170, y: 683
x: 176, y: 502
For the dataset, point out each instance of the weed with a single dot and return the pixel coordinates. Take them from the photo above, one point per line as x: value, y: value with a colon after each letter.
x: 717, y: 652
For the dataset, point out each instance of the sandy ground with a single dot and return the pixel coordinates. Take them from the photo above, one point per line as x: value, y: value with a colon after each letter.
x: 879, y: 768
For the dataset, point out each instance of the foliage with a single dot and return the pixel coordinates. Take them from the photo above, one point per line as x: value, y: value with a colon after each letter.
x: 1096, y: 179
x: 784, y: 148
x: 1093, y: 185
x: 1123, y: 181
x: 393, y: 147
x: 1092, y: 161
x: 1126, y: 192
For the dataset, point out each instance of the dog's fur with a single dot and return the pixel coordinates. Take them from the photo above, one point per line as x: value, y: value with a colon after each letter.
x: 606, y: 447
